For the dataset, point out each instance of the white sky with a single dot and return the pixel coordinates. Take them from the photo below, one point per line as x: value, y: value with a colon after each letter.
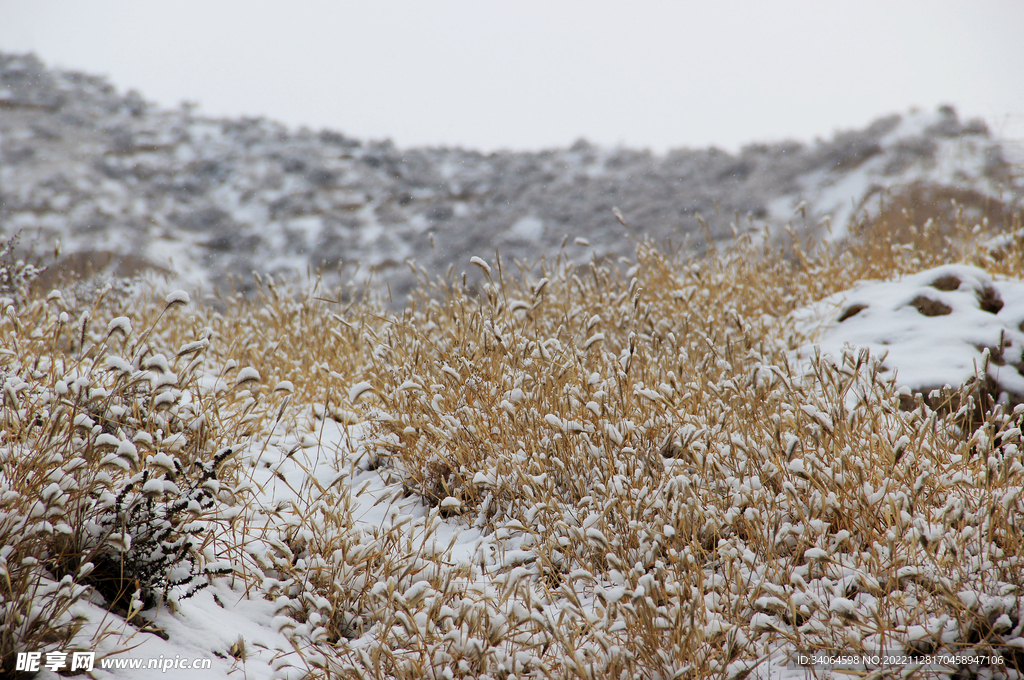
x: 530, y: 74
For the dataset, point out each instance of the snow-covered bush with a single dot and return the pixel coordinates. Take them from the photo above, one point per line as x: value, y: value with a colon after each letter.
x: 114, y: 468
x: 16, y: 275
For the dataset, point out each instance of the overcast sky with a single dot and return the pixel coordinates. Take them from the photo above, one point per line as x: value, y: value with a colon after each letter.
x: 530, y: 74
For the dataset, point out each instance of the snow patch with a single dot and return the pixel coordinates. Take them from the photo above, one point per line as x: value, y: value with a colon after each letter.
x: 938, y: 327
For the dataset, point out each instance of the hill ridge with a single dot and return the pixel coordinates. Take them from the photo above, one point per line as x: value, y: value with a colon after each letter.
x: 105, y: 171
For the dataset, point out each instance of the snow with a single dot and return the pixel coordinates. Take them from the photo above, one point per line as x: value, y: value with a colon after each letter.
x: 924, y: 345
x: 177, y: 297
x: 246, y: 374
x: 121, y: 323
x: 528, y: 228
x: 480, y: 262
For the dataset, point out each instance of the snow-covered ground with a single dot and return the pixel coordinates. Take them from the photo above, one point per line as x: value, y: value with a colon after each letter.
x: 938, y: 328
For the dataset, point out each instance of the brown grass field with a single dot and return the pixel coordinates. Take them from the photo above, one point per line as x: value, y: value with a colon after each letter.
x: 686, y: 500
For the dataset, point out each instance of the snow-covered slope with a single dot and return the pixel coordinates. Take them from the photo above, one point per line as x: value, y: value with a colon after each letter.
x: 135, y: 185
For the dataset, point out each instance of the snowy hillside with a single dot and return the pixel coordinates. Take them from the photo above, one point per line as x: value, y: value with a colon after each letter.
x: 137, y: 186
x: 642, y: 472
x: 662, y: 464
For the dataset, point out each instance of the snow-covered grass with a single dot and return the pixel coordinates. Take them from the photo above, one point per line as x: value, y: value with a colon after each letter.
x: 631, y: 469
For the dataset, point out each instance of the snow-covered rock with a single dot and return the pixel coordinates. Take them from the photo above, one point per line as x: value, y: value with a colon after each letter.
x: 943, y: 326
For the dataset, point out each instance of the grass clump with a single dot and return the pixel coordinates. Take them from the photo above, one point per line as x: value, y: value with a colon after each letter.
x: 690, y: 501
x: 115, y: 477
x: 16, y: 275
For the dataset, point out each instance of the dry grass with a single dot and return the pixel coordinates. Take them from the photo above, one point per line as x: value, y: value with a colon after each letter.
x: 669, y: 495
x: 115, y: 476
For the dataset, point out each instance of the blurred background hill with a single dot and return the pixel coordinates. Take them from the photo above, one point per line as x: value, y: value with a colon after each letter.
x: 128, y: 186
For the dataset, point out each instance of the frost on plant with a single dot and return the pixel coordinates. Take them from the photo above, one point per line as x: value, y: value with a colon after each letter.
x: 16, y: 275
